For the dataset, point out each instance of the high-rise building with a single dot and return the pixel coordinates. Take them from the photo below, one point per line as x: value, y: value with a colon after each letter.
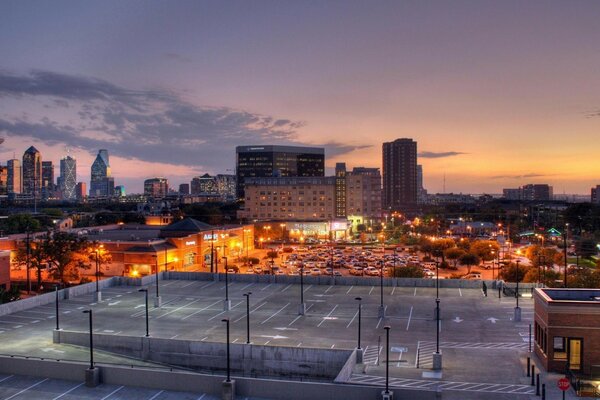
x: 399, y: 174
x: 47, y: 179
x: 340, y: 190
x: 596, y: 195
x: 101, y: 182
x: 277, y: 161
x: 156, y: 187
x: 80, y: 191
x: 13, y: 183
x: 421, y: 192
x: 530, y: 192
x: 119, y: 191
x: 32, y: 172
x: 363, y: 193
x: 184, y: 188
x: 226, y: 186
x: 68, y: 178
x: 204, y: 185
x: 3, y: 180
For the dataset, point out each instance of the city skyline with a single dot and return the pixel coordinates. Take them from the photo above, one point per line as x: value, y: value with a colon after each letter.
x: 512, y: 105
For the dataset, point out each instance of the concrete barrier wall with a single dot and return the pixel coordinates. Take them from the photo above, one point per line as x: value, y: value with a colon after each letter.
x: 201, y: 383
x: 247, y: 360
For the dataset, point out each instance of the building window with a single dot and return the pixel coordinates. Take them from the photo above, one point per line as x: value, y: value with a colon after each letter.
x: 559, y: 347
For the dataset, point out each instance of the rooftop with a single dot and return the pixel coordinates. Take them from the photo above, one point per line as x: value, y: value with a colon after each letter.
x: 571, y: 295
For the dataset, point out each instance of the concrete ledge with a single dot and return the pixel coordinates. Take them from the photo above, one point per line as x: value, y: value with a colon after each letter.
x: 228, y: 390
x: 92, y: 377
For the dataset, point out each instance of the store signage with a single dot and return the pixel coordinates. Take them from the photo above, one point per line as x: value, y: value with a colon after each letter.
x: 190, y: 243
x: 208, y: 236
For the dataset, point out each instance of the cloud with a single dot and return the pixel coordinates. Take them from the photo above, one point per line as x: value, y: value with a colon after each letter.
x: 149, y: 125
x: 333, y: 149
x: 431, y: 154
x: 525, y: 176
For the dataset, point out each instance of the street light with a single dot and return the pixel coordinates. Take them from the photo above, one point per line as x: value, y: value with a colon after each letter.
x: 98, y: 294
x: 381, y: 306
x: 565, y: 252
x: 359, y: 299
x: 517, y: 316
x: 387, y: 359
x: 227, y: 303
x: 157, y: 301
x: 147, y: 323
x: 57, y: 314
x: 247, y: 295
x: 226, y: 320
x: 302, y: 307
x: 91, y: 338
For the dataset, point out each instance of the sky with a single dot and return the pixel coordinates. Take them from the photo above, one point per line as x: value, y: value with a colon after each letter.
x: 496, y: 93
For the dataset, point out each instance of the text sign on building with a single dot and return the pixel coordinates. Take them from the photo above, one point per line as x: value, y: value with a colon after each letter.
x: 208, y: 236
x: 190, y: 243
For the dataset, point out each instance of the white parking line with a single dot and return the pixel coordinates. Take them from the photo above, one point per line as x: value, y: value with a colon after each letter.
x: 26, y: 389
x: 177, y: 309
x: 201, y: 397
x: 156, y: 395
x: 286, y: 288
x: 200, y: 310
x: 328, y: 289
x: 350, y: 289
x: 415, y: 293
x: 409, y: 318
x: 307, y: 289
x: 372, y: 287
x: 280, y: 310
x: 352, y: 320
x: 68, y: 391
x: 460, y: 292
x: 328, y: 315
x: 294, y: 320
x: 265, y: 288
x: 110, y: 394
x: 247, y: 286
x: 8, y: 377
x: 251, y: 311
x: 393, y: 290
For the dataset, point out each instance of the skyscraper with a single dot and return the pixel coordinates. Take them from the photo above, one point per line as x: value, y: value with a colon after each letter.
x: 32, y: 172
x: 3, y: 180
x: 421, y: 192
x: 47, y: 179
x: 340, y: 190
x: 101, y: 182
x: 14, y: 176
x: 399, y: 174
x: 277, y: 161
x: 68, y: 178
x: 156, y: 187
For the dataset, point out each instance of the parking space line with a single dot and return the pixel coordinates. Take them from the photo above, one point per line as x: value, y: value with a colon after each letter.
x: 328, y: 315
x: 409, y: 317
x: 200, y: 310
x: 280, y: 310
x: 247, y: 286
x: 294, y: 320
x: 352, y: 320
x: 8, y: 377
x: 110, y: 394
x: 350, y: 289
x: 251, y: 311
x: 415, y: 293
x: 177, y: 309
x: 223, y: 287
x: 393, y: 290
x: 370, y: 291
x: 68, y: 391
x: 379, y: 323
x: 286, y: 288
x: 265, y: 288
x: 328, y: 289
x: 26, y: 389
x: 156, y: 395
x: 299, y: 344
x: 201, y: 397
x: 460, y: 292
x: 306, y: 290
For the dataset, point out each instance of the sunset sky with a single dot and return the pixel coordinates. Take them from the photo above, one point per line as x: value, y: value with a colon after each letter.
x: 496, y: 93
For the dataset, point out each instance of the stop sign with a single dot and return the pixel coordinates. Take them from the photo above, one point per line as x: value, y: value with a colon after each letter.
x: 563, y: 384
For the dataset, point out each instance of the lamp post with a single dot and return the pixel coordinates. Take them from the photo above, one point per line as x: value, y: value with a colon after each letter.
x: 157, y: 302
x: 28, y: 260
x: 517, y: 316
x: 381, y: 306
x: 147, y: 323
x: 387, y: 360
x: 227, y: 302
x: 57, y: 314
x: 98, y: 295
x: 302, y: 307
x: 247, y: 295
x: 212, y: 251
x: 359, y: 351
x: 226, y: 320
x: 91, y: 338
x: 565, y: 252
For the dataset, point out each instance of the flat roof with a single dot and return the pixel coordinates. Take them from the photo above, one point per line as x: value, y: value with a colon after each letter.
x: 279, y: 149
x: 567, y: 295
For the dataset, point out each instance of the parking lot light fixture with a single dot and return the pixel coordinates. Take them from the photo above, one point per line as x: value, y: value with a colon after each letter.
x: 359, y: 299
x: 301, y: 308
x: 381, y: 305
x: 145, y: 291
x: 227, y: 303
x: 89, y: 312
x: 226, y: 320
x: 387, y: 359
x: 247, y: 295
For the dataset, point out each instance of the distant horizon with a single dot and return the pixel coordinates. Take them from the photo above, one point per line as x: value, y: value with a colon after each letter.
x: 496, y: 94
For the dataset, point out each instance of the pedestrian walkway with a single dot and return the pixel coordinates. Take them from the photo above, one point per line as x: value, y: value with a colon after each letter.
x: 426, y: 349
x: 371, y: 355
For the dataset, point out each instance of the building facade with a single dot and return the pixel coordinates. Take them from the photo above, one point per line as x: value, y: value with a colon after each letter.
x: 68, y: 178
x: 277, y: 161
x: 102, y: 184
x: 81, y: 191
x: 13, y: 180
x: 567, y: 329
x: 340, y: 190
x: 363, y: 193
x: 530, y: 192
x: 595, y: 198
x: 399, y: 174
x: 156, y: 187
x: 32, y: 173
x: 184, y: 188
x: 47, y: 180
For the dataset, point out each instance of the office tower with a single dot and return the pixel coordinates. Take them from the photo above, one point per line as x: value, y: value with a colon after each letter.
x: 542, y: 192
x: 340, y: 190
x: 156, y: 187
x: 277, y: 161
x: 596, y: 194
x: 421, y: 192
x: 14, y: 176
x: 363, y: 193
x: 47, y: 179
x: 32, y: 172
x: 204, y: 185
x: 119, y: 191
x: 101, y: 182
x: 80, y: 191
x: 226, y: 186
x: 68, y: 178
x: 3, y: 180
x: 184, y: 188
x: 399, y: 174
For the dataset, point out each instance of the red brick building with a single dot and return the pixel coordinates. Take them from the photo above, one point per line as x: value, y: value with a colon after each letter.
x: 567, y: 329
x: 4, y: 270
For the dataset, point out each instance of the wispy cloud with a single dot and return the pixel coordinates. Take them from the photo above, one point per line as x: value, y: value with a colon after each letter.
x: 150, y: 125
x: 525, y: 176
x: 431, y: 154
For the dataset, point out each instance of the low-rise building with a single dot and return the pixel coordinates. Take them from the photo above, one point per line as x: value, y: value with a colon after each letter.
x: 567, y: 329
x: 4, y: 270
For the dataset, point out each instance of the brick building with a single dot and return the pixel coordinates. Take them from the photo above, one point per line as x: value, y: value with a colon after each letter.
x: 567, y: 329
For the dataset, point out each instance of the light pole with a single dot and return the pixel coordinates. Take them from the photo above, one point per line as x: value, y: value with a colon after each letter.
x: 98, y: 294
x: 227, y: 302
x: 565, y: 252
x: 157, y: 302
x: 226, y: 320
x: 91, y: 338
x: 57, y: 314
x: 212, y: 251
x: 359, y: 351
x: 381, y: 306
x: 302, y: 307
x: 247, y: 295
x: 517, y: 316
x: 387, y: 360
x: 147, y: 323
x: 28, y: 262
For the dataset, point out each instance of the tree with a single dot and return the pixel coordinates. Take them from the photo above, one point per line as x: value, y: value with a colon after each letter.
x: 37, y: 257
x: 454, y: 254
x: 409, y: 272
x: 547, y: 256
x: 12, y: 294
x: 97, y: 250
x: 440, y: 245
x: 20, y: 223
x: 469, y: 259
x: 67, y: 254
x: 584, y: 278
x: 486, y: 250
x: 586, y: 248
x: 509, y: 273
